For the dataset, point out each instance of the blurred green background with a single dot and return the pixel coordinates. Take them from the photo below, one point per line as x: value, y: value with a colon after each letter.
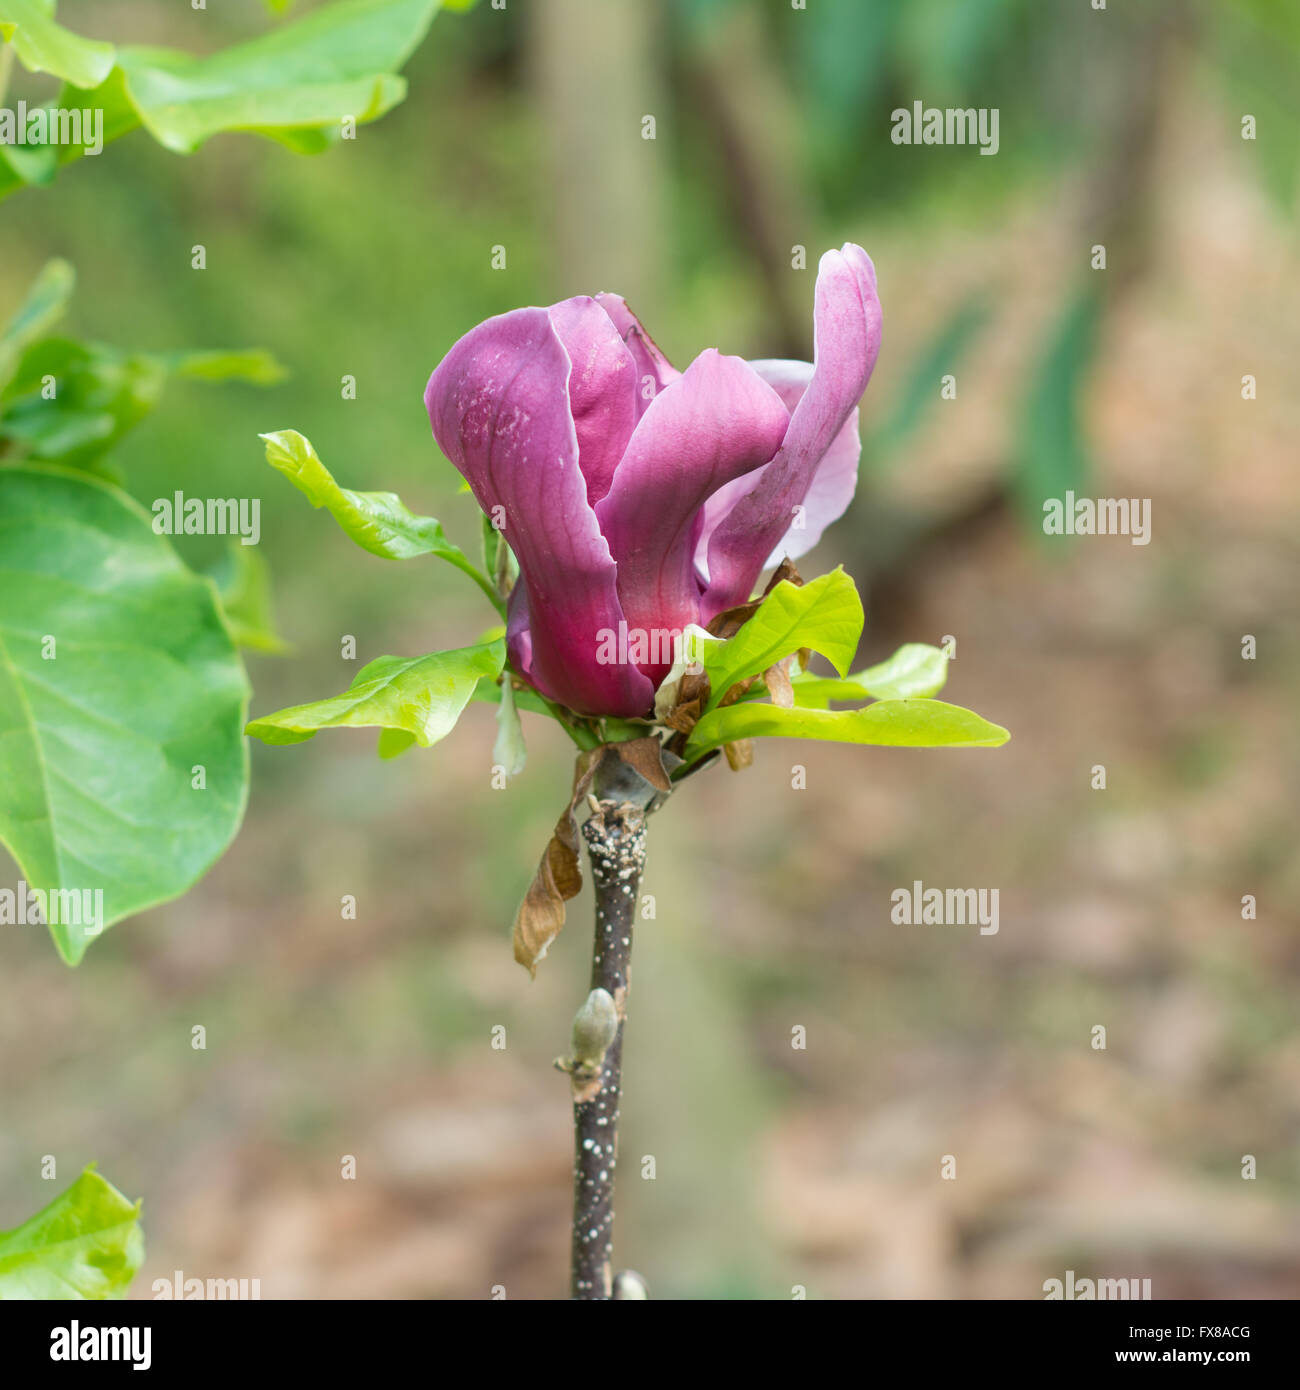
x: 774, y: 1167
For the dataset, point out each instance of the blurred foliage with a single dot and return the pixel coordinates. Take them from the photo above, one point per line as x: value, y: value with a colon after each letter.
x: 288, y: 84
x: 69, y: 402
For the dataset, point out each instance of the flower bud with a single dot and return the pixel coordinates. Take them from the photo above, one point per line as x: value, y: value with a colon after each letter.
x: 595, y: 1026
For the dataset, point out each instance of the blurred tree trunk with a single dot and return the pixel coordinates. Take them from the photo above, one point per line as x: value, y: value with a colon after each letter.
x: 597, y: 73
x: 754, y: 122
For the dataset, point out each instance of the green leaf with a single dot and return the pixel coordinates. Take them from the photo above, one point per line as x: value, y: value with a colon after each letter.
x: 508, y: 751
x: 117, y: 680
x: 890, y: 723
x: 914, y: 670
x: 422, y: 696
x: 45, y: 303
x: 825, y: 615
x: 44, y: 46
x: 87, y: 1244
x: 377, y: 521
x: 243, y: 581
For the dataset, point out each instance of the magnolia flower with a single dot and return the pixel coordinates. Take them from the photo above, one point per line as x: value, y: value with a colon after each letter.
x: 639, y: 499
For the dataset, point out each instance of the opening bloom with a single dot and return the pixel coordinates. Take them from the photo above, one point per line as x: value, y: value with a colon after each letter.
x: 639, y: 499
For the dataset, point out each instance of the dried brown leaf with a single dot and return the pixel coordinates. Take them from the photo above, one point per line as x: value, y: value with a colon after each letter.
x: 558, y: 878
x: 777, y: 680
x: 645, y: 757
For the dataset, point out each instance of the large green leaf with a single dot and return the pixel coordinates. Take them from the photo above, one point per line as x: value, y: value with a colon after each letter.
x: 890, y: 723
x: 419, y: 697
x: 87, y: 1244
x: 379, y: 522
x: 824, y: 615
x: 44, y: 46
x: 117, y: 680
x: 914, y: 669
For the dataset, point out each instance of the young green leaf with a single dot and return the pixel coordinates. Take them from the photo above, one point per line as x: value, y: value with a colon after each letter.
x: 914, y: 670
x: 44, y: 46
x: 377, y: 521
x: 87, y: 1244
x: 920, y: 723
x: 421, y: 696
x: 825, y: 615
x: 123, y: 770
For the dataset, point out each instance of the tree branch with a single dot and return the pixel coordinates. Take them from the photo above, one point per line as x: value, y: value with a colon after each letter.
x: 615, y: 835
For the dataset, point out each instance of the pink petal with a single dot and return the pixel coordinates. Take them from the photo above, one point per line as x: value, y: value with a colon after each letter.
x: 718, y: 421
x: 499, y: 407
x: 602, y: 388
x: 846, y: 339
x: 653, y: 370
x: 829, y: 493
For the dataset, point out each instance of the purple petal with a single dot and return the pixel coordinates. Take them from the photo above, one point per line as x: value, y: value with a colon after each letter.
x: 829, y: 494
x: 499, y: 407
x: 653, y: 370
x: 846, y: 336
x: 602, y: 388
x: 718, y: 421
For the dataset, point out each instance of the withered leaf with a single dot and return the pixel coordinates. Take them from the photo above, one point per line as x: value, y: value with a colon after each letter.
x: 558, y: 877
x: 777, y: 680
x: 684, y: 715
x: 731, y: 620
x: 645, y: 757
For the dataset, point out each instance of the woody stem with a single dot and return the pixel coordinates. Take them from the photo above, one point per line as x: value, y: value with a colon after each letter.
x: 615, y: 836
